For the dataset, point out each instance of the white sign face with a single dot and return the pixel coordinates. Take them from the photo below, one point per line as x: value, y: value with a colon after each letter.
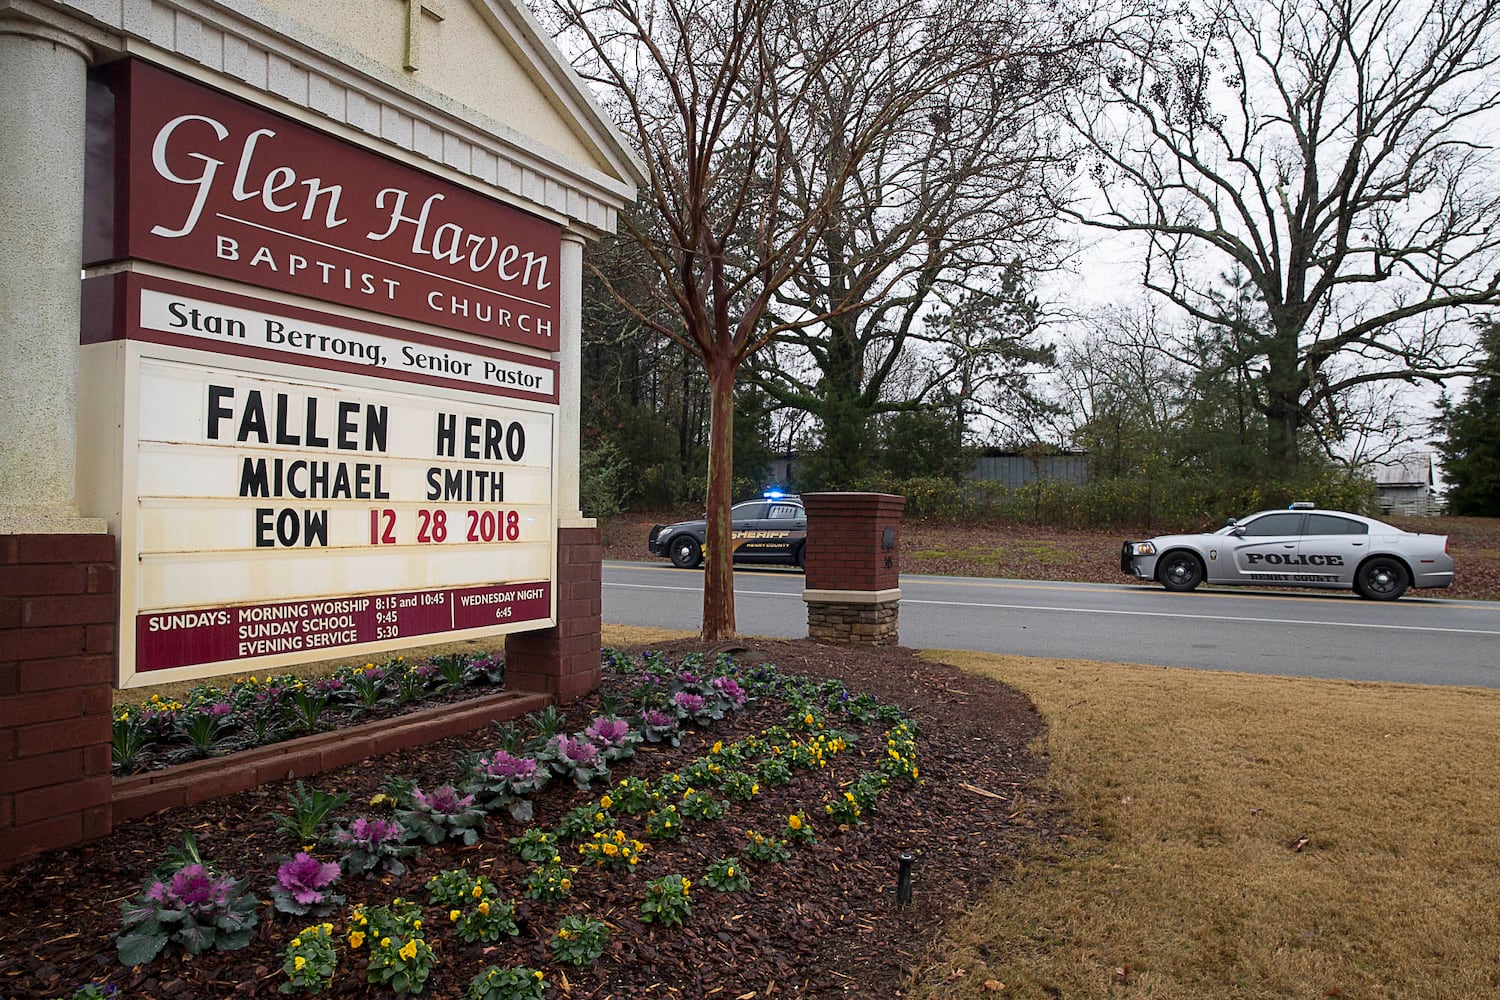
x: 297, y: 518
x: 300, y: 340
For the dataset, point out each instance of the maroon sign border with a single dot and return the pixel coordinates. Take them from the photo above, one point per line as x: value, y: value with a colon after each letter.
x: 121, y: 179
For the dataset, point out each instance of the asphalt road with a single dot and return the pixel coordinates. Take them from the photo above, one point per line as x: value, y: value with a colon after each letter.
x: 1418, y: 639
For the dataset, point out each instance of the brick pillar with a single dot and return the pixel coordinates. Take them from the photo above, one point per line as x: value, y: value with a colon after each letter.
x: 853, y: 566
x: 57, y: 670
x: 563, y: 661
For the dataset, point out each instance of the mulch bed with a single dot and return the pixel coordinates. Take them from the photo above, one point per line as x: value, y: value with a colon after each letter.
x: 823, y: 924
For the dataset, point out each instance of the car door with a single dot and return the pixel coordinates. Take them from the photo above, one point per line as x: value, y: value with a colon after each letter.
x: 784, y: 525
x: 1331, y: 549
x: 1265, y: 548
x: 744, y: 523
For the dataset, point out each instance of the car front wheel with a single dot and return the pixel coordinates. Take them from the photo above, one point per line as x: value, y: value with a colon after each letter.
x: 1180, y: 571
x: 1381, y: 579
x: 686, y: 552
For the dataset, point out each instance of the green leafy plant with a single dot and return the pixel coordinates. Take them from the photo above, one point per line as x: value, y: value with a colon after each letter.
x: 399, y: 955
x: 612, y: 849
x: 307, y: 707
x: 546, y: 723
x: 583, y: 821
x: 773, y: 771
x: 844, y: 809
x: 456, y: 887
x: 698, y: 804
x: 401, y: 964
x: 799, y: 830
x: 310, y: 960
x: 453, y: 669
x: 129, y: 739
x: 727, y: 875
x: 739, y: 786
x: 549, y: 882
x: 900, y: 760
x: 535, y: 845
x: 579, y: 941
x: 759, y: 847
x: 96, y: 991
x: 516, y: 983
x: 664, y: 823
x: 310, y: 811
x: 367, y: 686
x: 632, y: 797
x: 486, y: 920
x: 667, y: 901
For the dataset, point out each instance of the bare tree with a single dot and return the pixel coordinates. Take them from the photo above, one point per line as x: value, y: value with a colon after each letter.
x: 938, y: 208
x: 718, y: 99
x: 723, y: 101
x: 1334, y: 152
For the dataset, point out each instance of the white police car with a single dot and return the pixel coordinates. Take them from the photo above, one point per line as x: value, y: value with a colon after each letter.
x: 772, y: 529
x: 1298, y: 547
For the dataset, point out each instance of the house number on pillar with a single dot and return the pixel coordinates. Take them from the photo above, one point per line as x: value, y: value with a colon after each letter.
x: 414, y: 11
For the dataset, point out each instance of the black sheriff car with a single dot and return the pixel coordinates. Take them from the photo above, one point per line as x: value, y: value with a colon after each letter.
x: 772, y: 529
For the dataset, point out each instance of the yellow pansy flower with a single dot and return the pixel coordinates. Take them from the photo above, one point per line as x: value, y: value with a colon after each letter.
x: 356, y: 939
x: 453, y: 915
x: 484, y: 907
x: 298, y: 963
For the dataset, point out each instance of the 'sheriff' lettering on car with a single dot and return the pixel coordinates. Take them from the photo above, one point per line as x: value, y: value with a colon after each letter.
x: 1277, y: 559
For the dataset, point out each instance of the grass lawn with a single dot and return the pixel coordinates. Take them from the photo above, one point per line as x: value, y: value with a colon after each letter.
x: 1246, y: 836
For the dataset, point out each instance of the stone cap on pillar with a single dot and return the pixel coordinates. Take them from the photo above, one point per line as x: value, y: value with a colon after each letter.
x: 853, y: 541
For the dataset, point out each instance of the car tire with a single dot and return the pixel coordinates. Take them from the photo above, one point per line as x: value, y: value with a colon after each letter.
x: 685, y: 551
x: 1381, y: 579
x: 801, y: 557
x: 1179, y: 571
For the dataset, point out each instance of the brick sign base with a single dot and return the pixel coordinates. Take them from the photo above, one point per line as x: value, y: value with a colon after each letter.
x: 58, y: 607
x: 57, y: 667
x: 853, y: 567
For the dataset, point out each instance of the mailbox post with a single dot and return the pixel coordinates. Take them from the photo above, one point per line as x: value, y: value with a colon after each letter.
x: 853, y: 567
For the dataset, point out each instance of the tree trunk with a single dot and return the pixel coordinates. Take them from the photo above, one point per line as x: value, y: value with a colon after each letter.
x: 718, y: 570
x: 1283, y: 405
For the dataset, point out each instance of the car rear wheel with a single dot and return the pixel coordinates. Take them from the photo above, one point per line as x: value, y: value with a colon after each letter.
x: 686, y: 552
x: 1381, y: 579
x: 801, y: 557
x: 1179, y: 571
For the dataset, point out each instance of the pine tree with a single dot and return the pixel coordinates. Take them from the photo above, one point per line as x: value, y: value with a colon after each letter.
x: 1471, y: 437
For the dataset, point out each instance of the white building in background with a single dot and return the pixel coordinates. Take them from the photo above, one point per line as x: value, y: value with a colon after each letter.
x: 1403, y: 485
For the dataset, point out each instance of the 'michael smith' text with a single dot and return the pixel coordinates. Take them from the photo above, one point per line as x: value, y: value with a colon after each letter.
x: 465, y: 256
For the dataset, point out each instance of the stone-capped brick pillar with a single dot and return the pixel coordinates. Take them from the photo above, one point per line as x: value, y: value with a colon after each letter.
x: 563, y: 661
x: 853, y: 566
x: 57, y: 669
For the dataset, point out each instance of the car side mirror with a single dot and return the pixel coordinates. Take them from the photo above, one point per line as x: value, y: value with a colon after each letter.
x: 1237, y: 532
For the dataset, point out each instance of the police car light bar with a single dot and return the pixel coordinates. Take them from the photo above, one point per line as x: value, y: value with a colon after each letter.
x: 773, y: 495
x: 1301, y: 505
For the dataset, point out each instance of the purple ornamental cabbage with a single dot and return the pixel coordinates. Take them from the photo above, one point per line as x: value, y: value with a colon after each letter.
x: 193, y: 888
x: 368, y: 833
x: 690, y: 704
x: 578, y: 752
x: 302, y: 885
x: 608, y: 731
x: 578, y: 758
x: 501, y: 764
x: 657, y: 719
x: 445, y: 801
x: 729, y: 690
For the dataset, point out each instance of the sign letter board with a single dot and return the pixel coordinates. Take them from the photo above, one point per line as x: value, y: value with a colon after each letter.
x: 291, y: 483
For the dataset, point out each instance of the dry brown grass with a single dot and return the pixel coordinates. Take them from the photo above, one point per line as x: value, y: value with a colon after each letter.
x: 1248, y: 836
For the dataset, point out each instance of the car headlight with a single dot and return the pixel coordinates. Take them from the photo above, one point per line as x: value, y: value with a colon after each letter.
x: 1142, y: 549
